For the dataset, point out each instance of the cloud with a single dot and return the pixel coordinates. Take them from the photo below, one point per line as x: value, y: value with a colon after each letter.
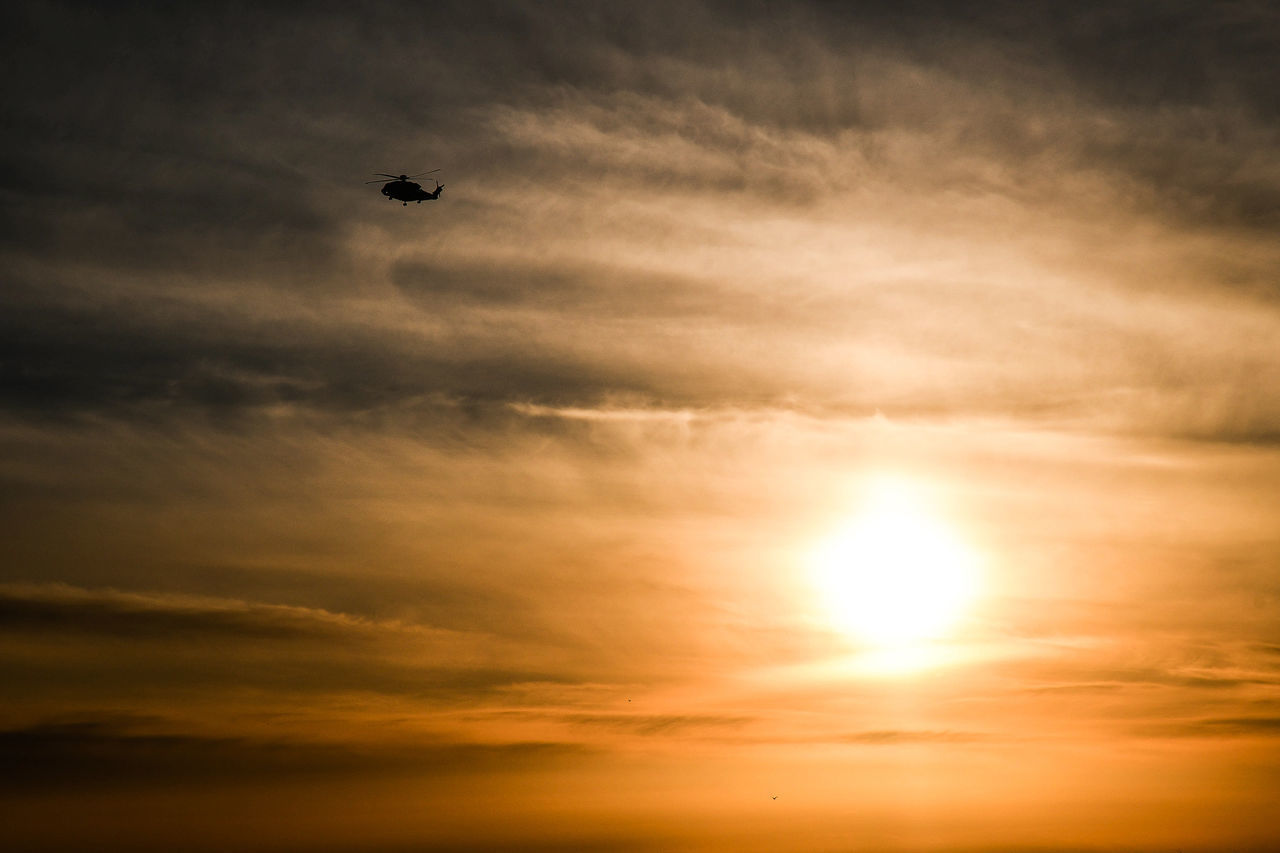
x: 892, y: 737
x: 1106, y: 664
x: 597, y: 290
x: 1215, y: 727
x: 660, y: 725
x: 207, y: 644
x: 843, y: 209
x: 92, y: 754
x: 179, y: 364
x: 312, y: 484
x: 64, y: 609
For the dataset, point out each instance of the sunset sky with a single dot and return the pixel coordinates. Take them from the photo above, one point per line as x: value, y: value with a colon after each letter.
x: 798, y: 426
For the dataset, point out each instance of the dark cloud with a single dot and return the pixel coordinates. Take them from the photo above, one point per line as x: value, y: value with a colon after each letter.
x: 121, y: 671
x: 569, y: 840
x: 560, y: 845
x: 1216, y: 727
x: 604, y: 294
x: 602, y: 291
x: 102, y: 754
x: 337, y: 601
x: 216, y: 149
x: 1181, y: 52
x: 1086, y: 688
x: 1109, y: 679
x: 1142, y: 52
x: 62, y: 361
x: 69, y: 610
x: 131, y: 639
x: 170, y: 84
x: 660, y: 724
x: 891, y: 737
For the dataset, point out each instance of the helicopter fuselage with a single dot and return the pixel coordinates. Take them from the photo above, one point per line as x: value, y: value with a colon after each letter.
x: 407, y: 191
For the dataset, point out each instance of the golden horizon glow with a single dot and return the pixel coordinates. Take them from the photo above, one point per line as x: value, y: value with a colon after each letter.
x: 895, y: 575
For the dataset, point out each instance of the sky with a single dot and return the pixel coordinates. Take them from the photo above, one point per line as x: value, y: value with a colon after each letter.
x: 796, y: 427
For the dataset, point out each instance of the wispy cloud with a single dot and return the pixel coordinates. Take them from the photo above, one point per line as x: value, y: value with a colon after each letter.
x: 79, y: 755
x: 297, y: 481
x: 60, y: 608
x: 207, y: 644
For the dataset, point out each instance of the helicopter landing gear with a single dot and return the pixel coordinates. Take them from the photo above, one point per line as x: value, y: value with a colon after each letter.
x: 406, y: 204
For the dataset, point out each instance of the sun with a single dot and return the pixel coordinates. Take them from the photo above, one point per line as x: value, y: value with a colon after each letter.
x: 895, y: 574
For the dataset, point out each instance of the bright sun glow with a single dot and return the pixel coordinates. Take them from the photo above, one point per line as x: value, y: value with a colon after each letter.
x: 895, y: 575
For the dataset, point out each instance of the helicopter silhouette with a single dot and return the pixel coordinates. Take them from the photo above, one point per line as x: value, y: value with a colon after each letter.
x: 404, y: 190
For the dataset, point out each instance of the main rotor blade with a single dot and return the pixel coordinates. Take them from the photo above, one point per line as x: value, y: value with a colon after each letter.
x: 385, y: 175
x: 378, y: 181
x: 420, y: 174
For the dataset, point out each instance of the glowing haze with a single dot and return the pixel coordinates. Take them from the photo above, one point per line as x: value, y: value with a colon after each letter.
x: 869, y: 406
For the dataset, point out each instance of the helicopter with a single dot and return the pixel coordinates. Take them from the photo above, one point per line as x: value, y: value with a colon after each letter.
x: 404, y: 190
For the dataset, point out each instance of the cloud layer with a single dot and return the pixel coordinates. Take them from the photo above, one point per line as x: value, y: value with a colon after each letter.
x: 502, y: 502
